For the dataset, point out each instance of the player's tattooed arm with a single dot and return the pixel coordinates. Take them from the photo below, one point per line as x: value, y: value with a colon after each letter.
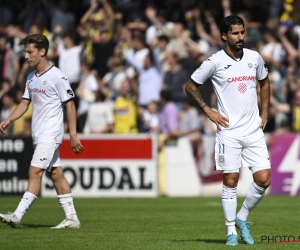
x: 193, y: 92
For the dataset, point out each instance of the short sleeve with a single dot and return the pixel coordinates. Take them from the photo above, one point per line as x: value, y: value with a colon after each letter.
x: 26, y: 93
x: 262, y: 70
x: 205, y: 71
x: 63, y: 89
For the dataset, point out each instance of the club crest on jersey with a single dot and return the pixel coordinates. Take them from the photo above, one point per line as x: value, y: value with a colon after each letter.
x: 242, y: 88
x: 251, y: 65
x: 70, y: 93
x: 44, y: 82
x: 221, y: 160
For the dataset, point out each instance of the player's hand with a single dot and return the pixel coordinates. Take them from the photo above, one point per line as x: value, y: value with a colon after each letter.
x: 4, y: 125
x: 218, y: 119
x: 76, y: 145
x: 264, y: 121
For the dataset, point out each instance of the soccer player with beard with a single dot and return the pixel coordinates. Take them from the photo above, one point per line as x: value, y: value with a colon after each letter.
x: 48, y: 89
x: 234, y: 72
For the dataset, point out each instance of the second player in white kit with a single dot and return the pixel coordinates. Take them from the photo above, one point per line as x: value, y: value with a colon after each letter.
x: 47, y: 92
x: 47, y: 89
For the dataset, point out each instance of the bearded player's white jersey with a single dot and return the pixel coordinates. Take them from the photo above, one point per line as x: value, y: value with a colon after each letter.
x: 47, y: 93
x: 234, y: 82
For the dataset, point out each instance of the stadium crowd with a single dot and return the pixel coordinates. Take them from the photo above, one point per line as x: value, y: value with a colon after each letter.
x: 128, y: 61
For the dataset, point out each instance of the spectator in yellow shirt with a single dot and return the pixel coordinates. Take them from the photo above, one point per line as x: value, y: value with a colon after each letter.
x: 125, y: 111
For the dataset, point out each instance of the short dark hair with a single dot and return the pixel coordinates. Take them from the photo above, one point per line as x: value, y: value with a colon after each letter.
x: 164, y: 38
x: 38, y: 40
x: 225, y: 24
x: 73, y: 35
x: 166, y: 95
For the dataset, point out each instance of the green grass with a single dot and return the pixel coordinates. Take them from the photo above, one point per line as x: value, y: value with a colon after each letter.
x: 160, y: 223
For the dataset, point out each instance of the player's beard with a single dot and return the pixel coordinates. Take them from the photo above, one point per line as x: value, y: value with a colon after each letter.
x: 235, y: 47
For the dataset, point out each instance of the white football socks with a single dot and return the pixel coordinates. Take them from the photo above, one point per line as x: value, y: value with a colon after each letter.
x: 66, y: 202
x: 253, y: 197
x: 25, y: 203
x: 229, y: 204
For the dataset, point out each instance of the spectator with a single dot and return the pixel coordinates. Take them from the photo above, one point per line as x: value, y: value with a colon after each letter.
x: 160, y: 45
x: 140, y: 51
x: 271, y: 50
x: 9, y: 64
x: 102, y: 51
x: 160, y: 25
x: 150, y: 118
x: 99, y: 22
x: 62, y: 19
x: 98, y: 18
x: 189, y: 123
x: 125, y: 111
x: 123, y: 41
x: 150, y: 80
x: 116, y: 75
x: 175, y: 79
x: 169, y: 116
x: 86, y: 93
x: 295, y: 112
x: 177, y: 43
x: 100, y: 117
x: 69, y: 60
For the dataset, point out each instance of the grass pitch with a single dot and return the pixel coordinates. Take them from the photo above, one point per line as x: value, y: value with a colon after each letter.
x: 158, y: 223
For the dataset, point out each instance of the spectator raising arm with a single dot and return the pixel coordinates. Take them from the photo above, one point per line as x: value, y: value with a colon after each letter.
x: 129, y: 56
x: 87, y: 15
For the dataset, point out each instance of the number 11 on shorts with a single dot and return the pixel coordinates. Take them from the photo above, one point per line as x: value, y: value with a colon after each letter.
x: 221, y: 148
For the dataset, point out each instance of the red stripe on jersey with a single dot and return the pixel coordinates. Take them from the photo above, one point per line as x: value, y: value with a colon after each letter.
x: 109, y: 149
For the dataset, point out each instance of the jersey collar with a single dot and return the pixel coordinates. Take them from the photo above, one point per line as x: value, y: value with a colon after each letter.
x: 233, y: 57
x: 43, y: 73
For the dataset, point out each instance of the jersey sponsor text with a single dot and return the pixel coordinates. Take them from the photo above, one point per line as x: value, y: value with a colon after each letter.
x: 36, y: 90
x: 240, y: 78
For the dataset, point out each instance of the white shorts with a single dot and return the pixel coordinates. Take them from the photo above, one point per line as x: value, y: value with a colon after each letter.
x: 46, y: 155
x: 248, y: 151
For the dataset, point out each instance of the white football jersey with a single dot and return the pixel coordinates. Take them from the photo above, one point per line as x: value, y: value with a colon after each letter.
x: 234, y: 82
x: 47, y: 93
